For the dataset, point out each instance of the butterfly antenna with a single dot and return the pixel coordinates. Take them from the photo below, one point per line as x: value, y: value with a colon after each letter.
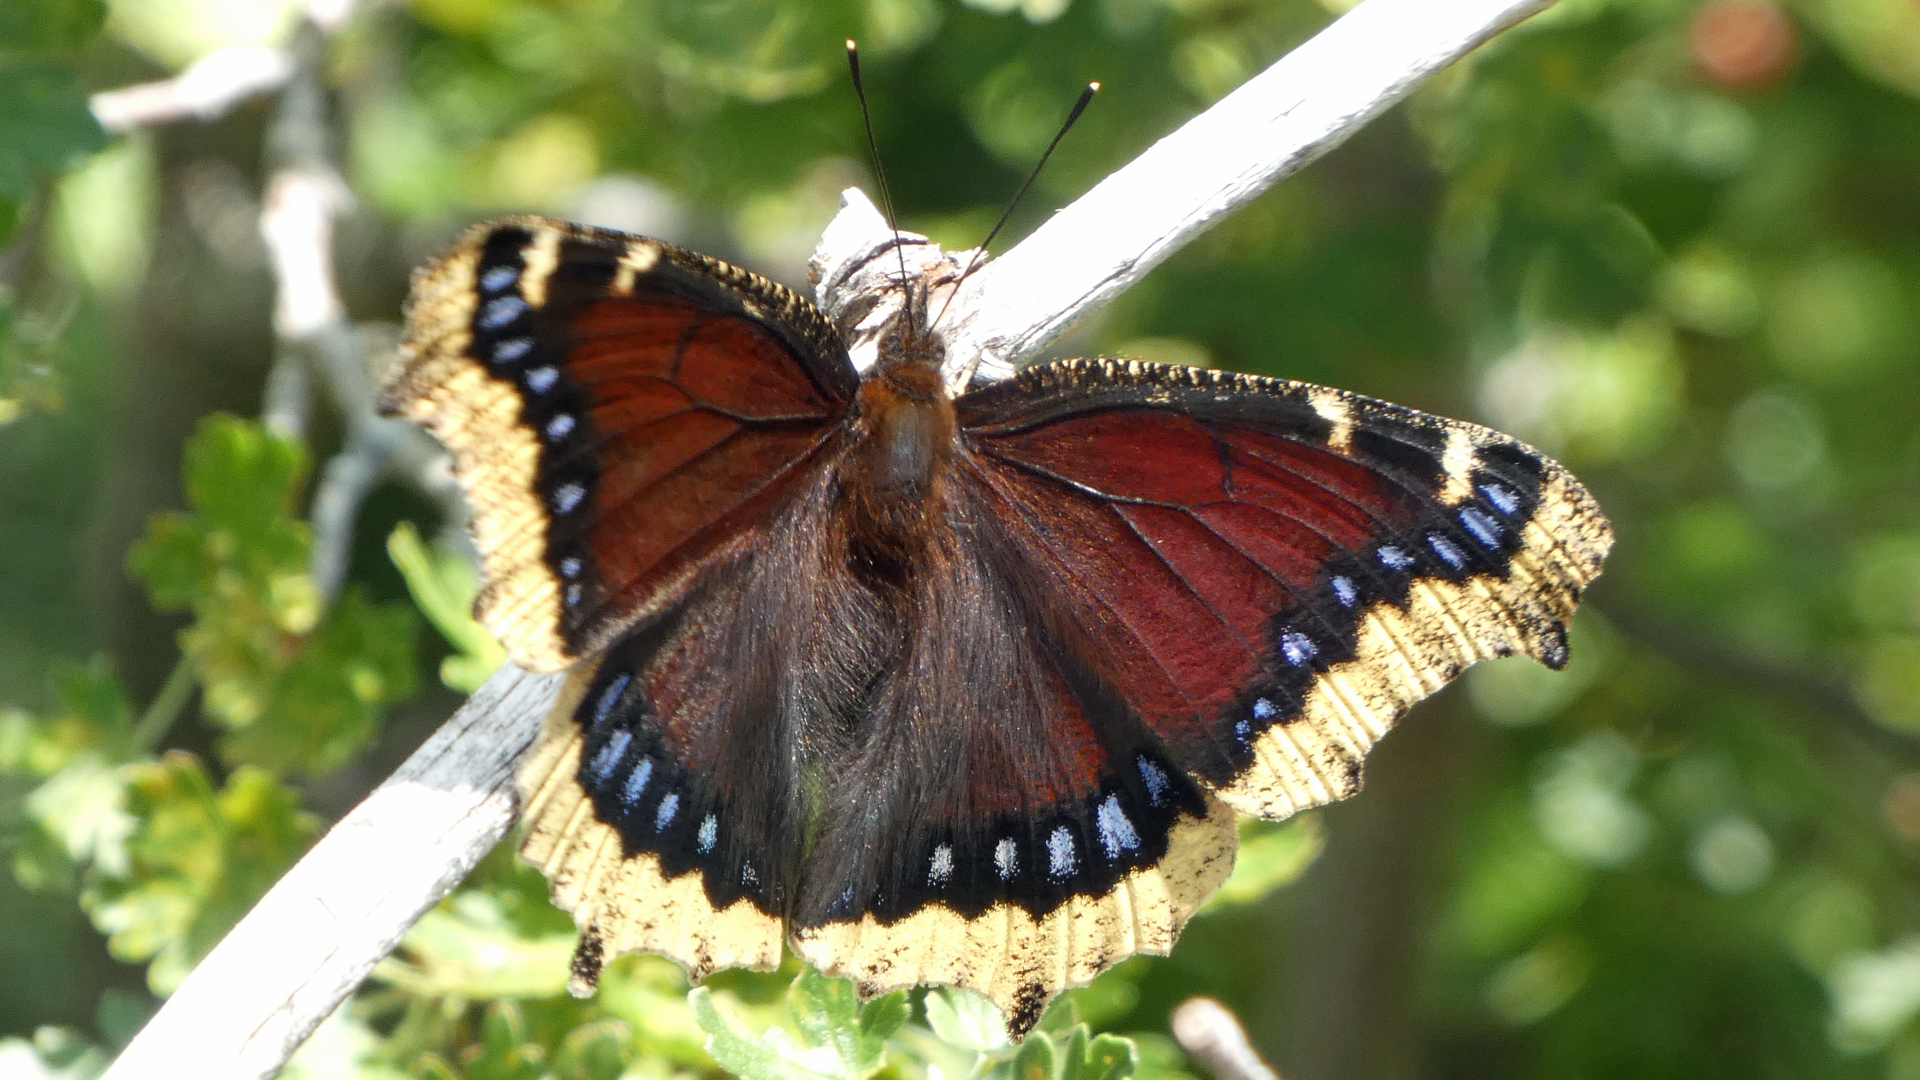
x: 873, y: 149
x: 1086, y: 97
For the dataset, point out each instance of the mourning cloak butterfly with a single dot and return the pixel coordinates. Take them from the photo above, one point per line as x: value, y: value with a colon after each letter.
x: 966, y: 690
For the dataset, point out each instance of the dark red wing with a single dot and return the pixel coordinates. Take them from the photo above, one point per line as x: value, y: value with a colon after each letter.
x: 665, y: 804
x: 1269, y: 572
x: 621, y: 413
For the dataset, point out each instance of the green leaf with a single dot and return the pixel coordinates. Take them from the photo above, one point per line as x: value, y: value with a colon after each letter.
x: 81, y: 807
x: 1102, y: 1057
x: 600, y: 1050
x: 324, y: 706
x: 883, y: 1016
x: 771, y: 1056
x: 44, y: 124
x: 198, y: 859
x: 54, y: 1053
x: 293, y: 694
x: 443, y: 585
x: 92, y: 695
x: 829, y: 1014
x: 468, y: 947
x: 49, y: 25
x: 965, y: 1020
x: 1271, y: 855
x: 1036, y: 1059
x: 504, y: 1052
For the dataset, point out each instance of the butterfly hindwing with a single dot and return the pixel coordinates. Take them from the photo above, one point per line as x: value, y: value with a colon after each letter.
x: 620, y: 412
x: 1003, y: 821
x: 682, y: 765
x: 1274, y: 572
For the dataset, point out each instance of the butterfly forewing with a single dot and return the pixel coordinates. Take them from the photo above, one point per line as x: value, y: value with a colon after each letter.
x: 620, y: 411
x: 1271, y: 573
x: 639, y: 431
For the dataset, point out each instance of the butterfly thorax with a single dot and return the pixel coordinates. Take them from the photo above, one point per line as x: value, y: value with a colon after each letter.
x: 903, y: 427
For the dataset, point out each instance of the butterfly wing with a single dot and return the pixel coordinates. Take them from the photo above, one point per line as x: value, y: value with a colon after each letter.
x: 1271, y: 573
x: 636, y: 427
x: 665, y: 803
x: 621, y: 413
x: 1001, y: 821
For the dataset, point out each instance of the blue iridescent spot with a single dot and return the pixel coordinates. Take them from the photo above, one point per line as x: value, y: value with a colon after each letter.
x: 1502, y: 497
x: 609, y: 755
x: 1482, y: 526
x: 574, y: 593
x: 512, y: 349
x: 540, y: 379
x: 1156, y: 779
x: 1116, y: 831
x: 611, y: 697
x: 637, y: 782
x: 498, y: 277
x: 1262, y: 710
x: 570, y: 566
x: 1344, y: 591
x: 747, y: 876
x: 669, y: 806
x: 1394, y: 559
x: 559, y: 427
x: 1448, y: 553
x: 1297, y: 647
x: 709, y: 833
x: 1062, y: 860
x: 1243, y: 731
x: 1006, y: 858
x: 567, y: 496
x: 500, y: 311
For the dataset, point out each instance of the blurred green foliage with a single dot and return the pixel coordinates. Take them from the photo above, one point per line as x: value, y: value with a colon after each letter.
x: 1674, y: 242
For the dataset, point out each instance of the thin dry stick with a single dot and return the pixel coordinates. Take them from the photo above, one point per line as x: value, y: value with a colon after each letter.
x: 1211, y: 1033
x: 312, y: 940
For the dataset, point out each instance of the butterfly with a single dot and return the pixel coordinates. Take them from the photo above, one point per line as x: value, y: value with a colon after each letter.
x: 961, y: 690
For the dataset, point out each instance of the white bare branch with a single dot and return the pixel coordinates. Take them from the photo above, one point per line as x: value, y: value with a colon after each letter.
x: 306, y: 946
x: 1211, y: 1033
x: 312, y: 939
x: 204, y: 91
x: 1274, y: 125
